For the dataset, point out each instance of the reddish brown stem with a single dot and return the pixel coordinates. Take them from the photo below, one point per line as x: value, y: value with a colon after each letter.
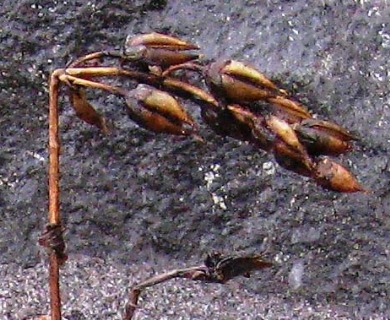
x: 193, y: 273
x: 54, y: 192
x: 216, y: 269
x: 91, y: 84
x: 75, y: 76
x: 94, y: 55
x: 131, y: 305
x: 184, y: 66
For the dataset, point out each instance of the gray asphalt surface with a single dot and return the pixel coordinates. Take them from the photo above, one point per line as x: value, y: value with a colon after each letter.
x: 135, y: 203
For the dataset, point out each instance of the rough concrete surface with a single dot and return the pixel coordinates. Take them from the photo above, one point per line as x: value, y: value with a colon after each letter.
x: 135, y: 203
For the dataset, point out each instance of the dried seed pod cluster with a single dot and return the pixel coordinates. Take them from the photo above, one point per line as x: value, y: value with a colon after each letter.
x: 236, y: 100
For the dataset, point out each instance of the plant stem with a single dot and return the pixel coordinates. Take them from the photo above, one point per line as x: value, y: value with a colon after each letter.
x: 54, y: 192
x: 94, y: 55
x: 194, y: 273
x: 91, y: 84
x: 181, y: 88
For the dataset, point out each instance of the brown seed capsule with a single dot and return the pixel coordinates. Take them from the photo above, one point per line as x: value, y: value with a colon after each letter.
x: 158, y: 57
x: 257, y: 133
x: 158, y: 111
x: 156, y: 123
x: 158, y: 40
x: 163, y: 103
x: 156, y: 49
x: 286, y: 133
x: 323, y: 137
x: 291, y: 159
x: 249, y: 74
x: 293, y: 110
x: 238, y: 82
x: 85, y: 111
x: 320, y: 143
x: 334, y: 176
x: 240, y: 91
x: 330, y: 128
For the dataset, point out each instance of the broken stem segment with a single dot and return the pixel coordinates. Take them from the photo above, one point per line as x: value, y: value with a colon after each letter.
x: 216, y: 269
x: 54, y: 191
x: 192, y: 273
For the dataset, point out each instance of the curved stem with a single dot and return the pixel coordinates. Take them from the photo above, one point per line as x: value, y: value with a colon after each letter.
x: 94, y: 55
x: 192, y: 273
x: 187, y: 66
x: 183, y: 88
x: 91, y: 84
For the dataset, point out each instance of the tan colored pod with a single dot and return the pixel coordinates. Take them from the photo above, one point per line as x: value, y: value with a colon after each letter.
x: 333, y: 176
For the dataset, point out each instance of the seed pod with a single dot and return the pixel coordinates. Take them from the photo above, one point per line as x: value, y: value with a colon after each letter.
x: 249, y: 74
x: 334, y: 176
x: 323, y: 137
x: 163, y: 103
x: 156, y: 49
x: 158, y: 57
x: 293, y: 111
x: 329, y: 128
x: 292, y: 160
x: 257, y: 132
x: 239, y: 83
x: 158, y: 40
x: 155, y: 122
x: 158, y: 111
x: 283, y: 130
x: 85, y: 111
x: 288, y: 151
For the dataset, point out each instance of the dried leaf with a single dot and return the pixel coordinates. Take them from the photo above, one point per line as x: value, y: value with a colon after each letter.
x: 85, y: 111
x: 229, y: 267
